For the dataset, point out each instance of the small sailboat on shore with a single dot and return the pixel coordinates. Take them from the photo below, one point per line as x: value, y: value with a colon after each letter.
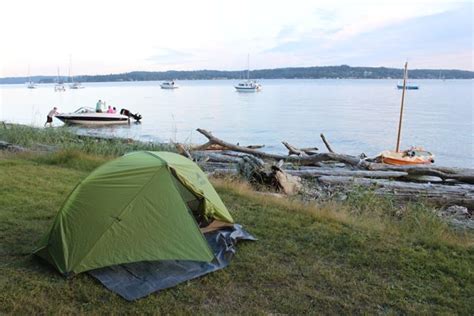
x: 411, y: 156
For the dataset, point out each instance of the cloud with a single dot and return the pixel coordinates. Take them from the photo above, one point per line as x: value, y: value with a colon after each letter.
x: 367, y: 43
x: 163, y: 55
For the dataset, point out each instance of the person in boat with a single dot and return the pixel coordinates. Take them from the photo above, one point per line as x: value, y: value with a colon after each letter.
x: 110, y: 110
x: 114, y: 110
x: 98, y: 106
x: 49, y: 117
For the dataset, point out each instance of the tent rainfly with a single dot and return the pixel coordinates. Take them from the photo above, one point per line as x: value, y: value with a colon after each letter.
x: 144, y: 206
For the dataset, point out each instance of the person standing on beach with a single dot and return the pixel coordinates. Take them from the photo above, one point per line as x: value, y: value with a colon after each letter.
x: 49, y: 117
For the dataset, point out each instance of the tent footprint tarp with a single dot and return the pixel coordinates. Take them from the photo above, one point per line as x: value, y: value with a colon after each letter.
x: 144, y: 206
x: 136, y: 280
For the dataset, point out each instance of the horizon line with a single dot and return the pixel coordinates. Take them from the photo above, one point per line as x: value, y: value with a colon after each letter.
x: 239, y: 70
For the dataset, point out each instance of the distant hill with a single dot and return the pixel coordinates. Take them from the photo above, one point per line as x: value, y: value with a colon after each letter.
x: 332, y: 72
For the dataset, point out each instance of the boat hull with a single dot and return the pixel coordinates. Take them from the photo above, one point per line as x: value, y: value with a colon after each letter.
x: 408, y: 87
x: 401, y: 159
x: 240, y: 89
x: 93, y: 120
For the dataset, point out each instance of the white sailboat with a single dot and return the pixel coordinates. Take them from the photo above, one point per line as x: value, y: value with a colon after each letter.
x: 74, y: 84
x: 248, y: 85
x: 30, y: 84
x: 59, y: 86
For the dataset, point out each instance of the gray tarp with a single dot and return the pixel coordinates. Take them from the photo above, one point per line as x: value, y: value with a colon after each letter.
x: 136, y: 280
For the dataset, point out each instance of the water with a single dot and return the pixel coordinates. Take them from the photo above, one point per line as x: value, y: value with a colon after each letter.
x: 355, y: 115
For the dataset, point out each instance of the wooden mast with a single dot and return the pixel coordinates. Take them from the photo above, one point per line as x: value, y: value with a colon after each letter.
x: 401, y: 107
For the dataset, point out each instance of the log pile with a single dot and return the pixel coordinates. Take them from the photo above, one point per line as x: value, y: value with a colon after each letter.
x: 440, y: 185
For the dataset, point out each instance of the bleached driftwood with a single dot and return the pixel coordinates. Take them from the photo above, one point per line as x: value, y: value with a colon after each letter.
x: 318, y: 172
x: 303, y: 159
x: 326, y: 143
x: 440, y: 194
x: 306, y: 160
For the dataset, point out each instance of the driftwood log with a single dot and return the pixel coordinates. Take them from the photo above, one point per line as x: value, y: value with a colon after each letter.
x: 313, y: 159
x: 257, y: 172
x: 440, y: 194
x: 442, y: 186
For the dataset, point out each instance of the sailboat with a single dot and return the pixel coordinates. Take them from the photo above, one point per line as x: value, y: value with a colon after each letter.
x: 74, y: 84
x: 248, y: 85
x: 413, y: 155
x: 59, y: 86
x: 30, y: 84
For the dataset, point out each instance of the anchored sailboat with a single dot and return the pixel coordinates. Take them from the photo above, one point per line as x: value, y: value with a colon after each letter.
x: 59, y: 86
x: 74, y: 84
x: 30, y: 84
x: 248, y: 85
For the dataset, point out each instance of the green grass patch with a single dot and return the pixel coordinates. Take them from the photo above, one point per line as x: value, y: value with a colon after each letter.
x: 64, y: 138
x: 333, y: 258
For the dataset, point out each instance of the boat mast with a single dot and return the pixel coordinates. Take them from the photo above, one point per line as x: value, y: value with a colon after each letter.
x: 70, y: 66
x: 248, y: 67
x: 405, y: 74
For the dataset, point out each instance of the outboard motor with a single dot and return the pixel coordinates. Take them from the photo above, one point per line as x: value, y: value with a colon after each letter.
x: 137, y: 117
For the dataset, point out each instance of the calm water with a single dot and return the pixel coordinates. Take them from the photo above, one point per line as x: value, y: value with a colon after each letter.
x: 355, y: 115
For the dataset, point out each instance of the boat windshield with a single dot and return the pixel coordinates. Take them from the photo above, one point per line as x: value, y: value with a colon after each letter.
x: 84, y: 110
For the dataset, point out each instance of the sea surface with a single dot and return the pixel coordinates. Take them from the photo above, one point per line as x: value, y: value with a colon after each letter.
x: 355, y: 115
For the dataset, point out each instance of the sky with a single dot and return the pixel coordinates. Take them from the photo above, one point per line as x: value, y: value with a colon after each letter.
x: 102, y: 37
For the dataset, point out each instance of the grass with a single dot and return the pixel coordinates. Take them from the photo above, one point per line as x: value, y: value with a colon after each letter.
x: 331, y: 258
x: 366, y: 255
x: 65, y: 138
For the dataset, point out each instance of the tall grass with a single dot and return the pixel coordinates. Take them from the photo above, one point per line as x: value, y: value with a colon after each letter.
x: 63, y: 138
x: 363, y: 209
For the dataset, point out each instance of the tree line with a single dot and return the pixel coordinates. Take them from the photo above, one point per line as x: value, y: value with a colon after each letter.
x: 321, y: 72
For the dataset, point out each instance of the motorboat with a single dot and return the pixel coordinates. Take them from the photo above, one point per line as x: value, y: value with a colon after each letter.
x: 88, y: 116
x: 408, y: 86
x: 169, y: 85
x: 411, y: 156
x: 248, y: 86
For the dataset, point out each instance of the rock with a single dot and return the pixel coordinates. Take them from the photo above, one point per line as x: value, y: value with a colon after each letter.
x: 458, y: 216
x: 10, y: 147
x: 457, y: 211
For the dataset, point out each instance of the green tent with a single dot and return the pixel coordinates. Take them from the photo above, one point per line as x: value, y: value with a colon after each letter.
x: 144, y: 206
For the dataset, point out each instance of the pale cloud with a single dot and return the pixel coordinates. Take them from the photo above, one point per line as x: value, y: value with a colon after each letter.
x: 117, y: 36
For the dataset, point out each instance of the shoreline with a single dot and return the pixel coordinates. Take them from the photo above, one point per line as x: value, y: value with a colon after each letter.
x: 320, y: 255
x: 322, y: 184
